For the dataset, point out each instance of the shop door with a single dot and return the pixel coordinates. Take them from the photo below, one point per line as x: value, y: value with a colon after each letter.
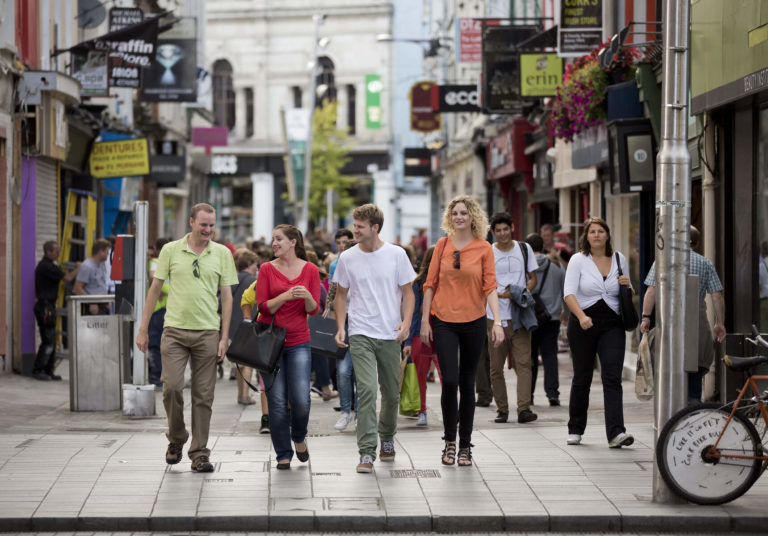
x: 46, y: 203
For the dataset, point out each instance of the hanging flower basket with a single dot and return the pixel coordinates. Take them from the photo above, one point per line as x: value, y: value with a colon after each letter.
x: 580, y: 101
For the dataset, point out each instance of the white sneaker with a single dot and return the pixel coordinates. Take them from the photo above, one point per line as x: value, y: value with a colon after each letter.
x: 573, y: 439
x: 422, y: 421
x: 343, y: 421
x: 622, y: 440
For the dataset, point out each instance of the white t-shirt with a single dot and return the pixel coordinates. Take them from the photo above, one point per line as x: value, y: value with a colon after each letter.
x: 374, y: 280
x: 510, y: 271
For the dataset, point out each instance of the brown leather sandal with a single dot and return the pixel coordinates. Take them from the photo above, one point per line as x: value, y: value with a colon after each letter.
x: 465, y: 457
x: 449, y: 453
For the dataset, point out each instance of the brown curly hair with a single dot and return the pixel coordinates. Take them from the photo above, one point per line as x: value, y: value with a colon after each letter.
x: 479, y: 219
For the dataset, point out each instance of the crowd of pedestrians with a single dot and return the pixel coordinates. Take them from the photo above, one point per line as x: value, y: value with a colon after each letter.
x: 472, y: 307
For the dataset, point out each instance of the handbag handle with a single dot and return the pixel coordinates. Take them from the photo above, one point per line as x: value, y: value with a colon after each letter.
x: 258, y: 312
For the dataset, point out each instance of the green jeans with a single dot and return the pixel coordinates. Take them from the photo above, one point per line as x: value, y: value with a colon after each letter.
x: 372, y: 357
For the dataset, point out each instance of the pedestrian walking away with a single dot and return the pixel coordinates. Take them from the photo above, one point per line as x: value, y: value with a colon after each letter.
x: 709, y: 283
x: 377, y: 277
x: 460, y: 283
x: 196, y: 269
x: 591, y: 292
x: 515, y: 279
x: 422, y: 355
x: 288, y: 289
x: 247, y: 265
x: 156, y: 321
x: 549, y: 288
x: 48, y: 275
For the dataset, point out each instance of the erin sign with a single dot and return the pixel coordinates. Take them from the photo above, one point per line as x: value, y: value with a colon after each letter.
x: 123, y: 158
x: 540, y: 74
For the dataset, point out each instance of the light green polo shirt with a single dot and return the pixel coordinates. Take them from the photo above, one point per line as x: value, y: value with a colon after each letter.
x: 192, y: 301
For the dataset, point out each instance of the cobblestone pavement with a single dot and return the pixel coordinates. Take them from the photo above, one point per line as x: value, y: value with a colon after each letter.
x: 98, y: 471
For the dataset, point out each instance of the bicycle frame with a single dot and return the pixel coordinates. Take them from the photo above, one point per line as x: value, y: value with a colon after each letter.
x: 750, y: 383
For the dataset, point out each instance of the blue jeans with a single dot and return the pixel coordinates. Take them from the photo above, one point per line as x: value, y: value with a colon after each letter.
x: 154, y: 357
x: 290, y: 386
x: 345, y: 378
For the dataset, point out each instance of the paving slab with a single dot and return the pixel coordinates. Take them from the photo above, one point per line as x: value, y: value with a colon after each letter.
x: 97, y: 471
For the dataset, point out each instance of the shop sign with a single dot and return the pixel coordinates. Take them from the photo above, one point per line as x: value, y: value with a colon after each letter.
x: 373, y: 87
x: 172, y: 77
x: 501, y: 68
x: 455, y: 98
x: 580, y: 26
x: 89, y: 67
x: 506, y: 152
x: 166, y: 169
x: 223, y: 164
x: 210, y: 137
x: 120, y: 158
x: 540, y: 75
x: 418, y: 162
x: 423, y: 119
x: 121, y: 72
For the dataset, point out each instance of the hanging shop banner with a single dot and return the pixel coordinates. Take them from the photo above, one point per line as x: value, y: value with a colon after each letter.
x: 579, y: 27
x: 418, y: 162
x: 423, y: 119
x: 119, y: 158
x: 89, y: 67
x: 172, y: 77
x: 121, y: 72
x: 540, y: 75
x: 469, y: 36
x: 373, y: 89
x: 501, y: 68
x: 455, y: 98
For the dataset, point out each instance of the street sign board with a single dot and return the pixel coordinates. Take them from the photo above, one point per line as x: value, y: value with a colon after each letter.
x: 501, y: 67
x: 423, y: 119
x: 455, y: 98
x: 540, y: 74
x: 373, y: 89
x: 579, y: 27
x: 120, y: 158
x: 417, y: 162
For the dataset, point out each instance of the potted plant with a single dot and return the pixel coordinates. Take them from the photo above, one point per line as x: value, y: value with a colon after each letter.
x: 580, y: 101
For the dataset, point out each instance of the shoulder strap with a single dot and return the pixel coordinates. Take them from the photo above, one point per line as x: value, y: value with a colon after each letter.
x: 618, y: 262
x: 543, y: 279
x: 524, y: 251
x: 442, y: 243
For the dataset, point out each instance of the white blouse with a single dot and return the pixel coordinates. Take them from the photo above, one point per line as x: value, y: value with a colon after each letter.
x: 584, y: 281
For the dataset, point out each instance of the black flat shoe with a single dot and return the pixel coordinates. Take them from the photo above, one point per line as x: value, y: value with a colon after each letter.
x: 283, y: 466
x: 303, y: 456
x: 501, y: 416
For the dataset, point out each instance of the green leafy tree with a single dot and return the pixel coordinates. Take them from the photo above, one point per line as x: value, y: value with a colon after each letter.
x: 330, y: 153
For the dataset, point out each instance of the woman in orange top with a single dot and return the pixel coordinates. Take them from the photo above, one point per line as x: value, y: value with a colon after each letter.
x: 461, y: 281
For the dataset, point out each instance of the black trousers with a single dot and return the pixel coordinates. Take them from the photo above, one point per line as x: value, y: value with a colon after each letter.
x: 606, y: 339
x: 544, y: 340
x: 458, y: 374
x: 45, y: 314
x: 483, y: 377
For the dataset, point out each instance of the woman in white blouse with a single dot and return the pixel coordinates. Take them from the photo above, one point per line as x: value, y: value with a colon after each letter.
x: 591, y: 293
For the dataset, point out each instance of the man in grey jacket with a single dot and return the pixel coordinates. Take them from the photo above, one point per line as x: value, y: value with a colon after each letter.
x: 549, y: 286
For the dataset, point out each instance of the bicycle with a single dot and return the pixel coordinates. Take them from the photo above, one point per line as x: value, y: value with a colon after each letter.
x: 712, y: 454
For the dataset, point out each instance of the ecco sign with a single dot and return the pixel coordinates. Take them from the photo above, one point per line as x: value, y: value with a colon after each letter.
x: 223, y: 165
x: 455, y: 98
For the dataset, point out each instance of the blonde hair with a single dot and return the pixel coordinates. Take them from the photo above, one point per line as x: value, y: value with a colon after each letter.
x: 476, y: 212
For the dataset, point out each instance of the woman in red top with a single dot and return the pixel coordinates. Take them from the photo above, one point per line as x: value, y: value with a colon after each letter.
x: 288, y: 288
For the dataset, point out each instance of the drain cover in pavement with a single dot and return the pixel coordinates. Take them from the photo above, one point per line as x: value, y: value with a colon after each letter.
x: 414, y: 473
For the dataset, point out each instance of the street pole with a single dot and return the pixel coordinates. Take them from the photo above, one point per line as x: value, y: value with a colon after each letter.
x: 673, y: 202
x: 304, y: 223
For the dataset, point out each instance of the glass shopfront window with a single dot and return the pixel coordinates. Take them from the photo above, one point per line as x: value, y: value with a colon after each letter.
x: 762, y: 214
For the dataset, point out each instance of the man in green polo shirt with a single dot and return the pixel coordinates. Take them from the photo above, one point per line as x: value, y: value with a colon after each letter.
x: 196, y: 268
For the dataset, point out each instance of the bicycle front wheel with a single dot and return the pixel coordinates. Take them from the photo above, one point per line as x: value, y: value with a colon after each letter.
x: 691, y: 466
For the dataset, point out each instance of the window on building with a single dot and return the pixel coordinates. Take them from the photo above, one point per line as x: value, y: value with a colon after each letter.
x: 351, y: 105
x: 325, y: 84
x: 223, y: 94
x: 296, y: 96
x: 249, y: 112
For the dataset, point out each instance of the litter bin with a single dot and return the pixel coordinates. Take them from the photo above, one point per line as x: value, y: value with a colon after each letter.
x: 95, y: 377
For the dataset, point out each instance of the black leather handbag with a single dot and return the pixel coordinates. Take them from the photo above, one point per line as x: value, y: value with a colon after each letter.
x: 629, y: 316
x: 257, y: 345
x: 322, y: 333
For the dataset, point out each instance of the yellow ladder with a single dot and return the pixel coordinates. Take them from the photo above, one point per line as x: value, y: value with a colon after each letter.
x: 79, y: 230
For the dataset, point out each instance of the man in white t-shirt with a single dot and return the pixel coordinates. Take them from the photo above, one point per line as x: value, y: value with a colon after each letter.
x: 377, y: 278
x: 511, y: 270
